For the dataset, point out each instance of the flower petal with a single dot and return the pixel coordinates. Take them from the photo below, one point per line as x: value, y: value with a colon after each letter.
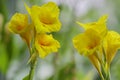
x: 18, y: 23
x: 99, y: 26
x: 86, y: 43
x: 46, y: 44
x: 111, y: 45
x: 45, y: 17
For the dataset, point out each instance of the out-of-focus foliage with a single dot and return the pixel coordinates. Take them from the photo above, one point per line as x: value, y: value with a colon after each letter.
x: 67, y: 64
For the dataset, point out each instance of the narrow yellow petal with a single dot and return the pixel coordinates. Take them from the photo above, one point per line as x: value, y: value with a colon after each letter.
x: 103, y: 19
x: 95, y: 62
x: 27, y: 8
x: 99, y: 26
x: 27, y: 35
x: 82, y: 25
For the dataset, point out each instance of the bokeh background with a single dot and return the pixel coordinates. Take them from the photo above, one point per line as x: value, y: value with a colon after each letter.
x: 67, y: 64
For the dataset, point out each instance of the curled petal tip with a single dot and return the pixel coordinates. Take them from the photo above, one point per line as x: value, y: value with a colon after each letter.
x: 103, y: 18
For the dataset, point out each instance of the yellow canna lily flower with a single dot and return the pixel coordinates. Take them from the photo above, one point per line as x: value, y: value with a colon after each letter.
x: 111, y: 45
x: 86, y: 43
x: 18, y: 23
x: 46, y: 44
x: 45, y: 17
x: 99, y: 26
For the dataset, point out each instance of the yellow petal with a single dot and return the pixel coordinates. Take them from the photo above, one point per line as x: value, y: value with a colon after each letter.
x: 45, y: 17
x: 96, y: 63
x: 46, y: 44
x: 27, y: 8
x: 27, y: 35
x: 86, y: 43
x: 18, y: 23
x: 99, y: 26
x: 52, y: 7
x: 111, y: 45
x: 103, y: 19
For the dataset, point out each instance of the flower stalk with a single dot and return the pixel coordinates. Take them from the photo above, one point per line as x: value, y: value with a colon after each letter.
x: 105, y: 72
x: 32, y: 68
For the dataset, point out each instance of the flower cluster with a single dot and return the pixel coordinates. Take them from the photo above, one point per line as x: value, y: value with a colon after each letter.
x: 99, y: 44
x: 44, y: 20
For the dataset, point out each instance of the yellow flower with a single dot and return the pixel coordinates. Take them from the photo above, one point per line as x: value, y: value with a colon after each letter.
x: 18, y: 23
x: 89, y: 42
x: 45, y: 17
x: 86, y: 43
x: 46, y: 44
x: 111, y: 45
x: 99, y: 26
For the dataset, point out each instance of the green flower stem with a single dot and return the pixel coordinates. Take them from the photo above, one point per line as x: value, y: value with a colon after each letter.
x: 33, y: 61
x: 105, y: 71
x: 33, y: 58
x: 105, y: 67
x: 32, y: 67
x: 108, y: 76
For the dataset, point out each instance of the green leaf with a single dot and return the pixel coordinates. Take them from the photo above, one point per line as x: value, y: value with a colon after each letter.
x: 26, y: 78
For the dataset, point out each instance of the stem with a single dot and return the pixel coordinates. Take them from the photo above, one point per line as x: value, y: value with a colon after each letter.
x: 108, y: 76
x: 105, y: 67
x: 105, y: 72
x: 32, y: 68
x: 33, y: 57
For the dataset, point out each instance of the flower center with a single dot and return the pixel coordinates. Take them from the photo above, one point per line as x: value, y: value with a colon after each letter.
x: 19, y: 28
x: 44, y: 43
x: 47, y: 20
x: 94, y: 44
x: 46, y: 17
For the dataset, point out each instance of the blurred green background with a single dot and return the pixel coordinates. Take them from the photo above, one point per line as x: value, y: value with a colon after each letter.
x: 67, y: 64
